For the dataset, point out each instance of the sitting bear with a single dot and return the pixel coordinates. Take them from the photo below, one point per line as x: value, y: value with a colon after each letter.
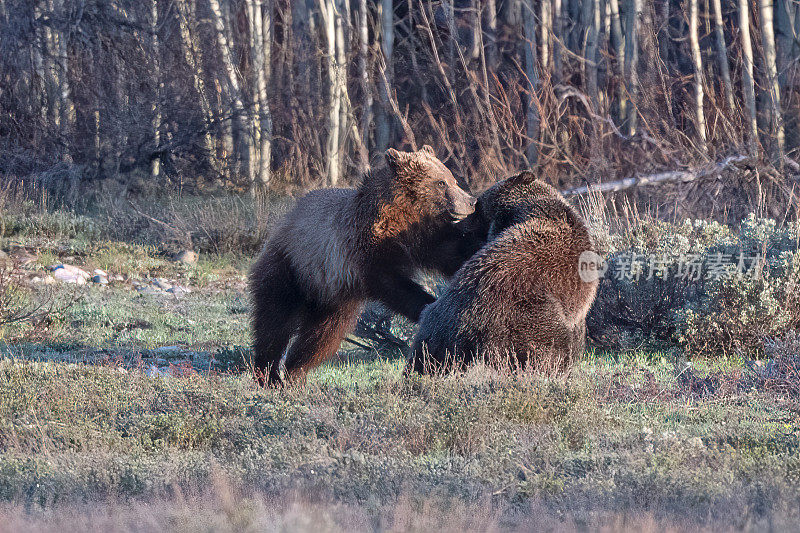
x: 340, y: 247
x: 521, y: 298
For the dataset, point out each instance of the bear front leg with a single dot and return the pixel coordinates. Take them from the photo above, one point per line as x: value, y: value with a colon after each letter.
x: 401, y: 295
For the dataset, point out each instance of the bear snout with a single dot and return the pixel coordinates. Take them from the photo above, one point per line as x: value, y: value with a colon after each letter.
x: 462, y: 204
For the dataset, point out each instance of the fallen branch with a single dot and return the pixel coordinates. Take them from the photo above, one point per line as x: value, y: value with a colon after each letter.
x: 683, y: 176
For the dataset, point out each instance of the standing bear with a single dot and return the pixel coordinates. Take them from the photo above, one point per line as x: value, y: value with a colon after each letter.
x: 340, y: 247
x: 521, y: 298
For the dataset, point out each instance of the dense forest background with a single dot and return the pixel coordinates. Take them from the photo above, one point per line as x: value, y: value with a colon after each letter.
x: 280, y: 95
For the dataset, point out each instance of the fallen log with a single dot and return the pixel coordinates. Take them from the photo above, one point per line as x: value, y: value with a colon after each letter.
x: 683, y: 176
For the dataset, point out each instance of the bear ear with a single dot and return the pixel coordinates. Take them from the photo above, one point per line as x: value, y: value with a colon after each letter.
x: 395, y: 159
x: 428, y: 150
x: 521, y: 178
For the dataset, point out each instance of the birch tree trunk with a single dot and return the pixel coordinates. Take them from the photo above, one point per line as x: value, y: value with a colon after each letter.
x: 331, y: 11
x: 155, y: 162
x: 260, y: 51
x: 342, y: 46
x: 243, y: 137
x: 490, y: 23
x: 364, y: 79
x: 697, y: 61
x: 773, y: 88
x: 557, y: 40
x: 192, y: 56
x: 784, y: 17
x: 511, y: 12
x: 38, y: 51
x: 722, y: 54
x: 632, y: 16
x: 383, y: 128
x: 532, y: 119
x: 618, y: 44
x: 66, y: 106
x: 747, y: 74
x: 545, y: 31
x: 591, y: 21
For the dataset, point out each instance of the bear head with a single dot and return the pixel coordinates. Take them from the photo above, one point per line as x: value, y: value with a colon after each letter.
x: 428, y: 185
x: 513, y: 200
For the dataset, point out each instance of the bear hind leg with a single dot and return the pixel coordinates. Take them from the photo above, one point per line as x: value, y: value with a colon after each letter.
x: 319, y: 338
x: 277, y: 314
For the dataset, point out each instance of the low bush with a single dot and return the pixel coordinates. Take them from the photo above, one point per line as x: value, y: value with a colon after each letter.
x: 701, y: 286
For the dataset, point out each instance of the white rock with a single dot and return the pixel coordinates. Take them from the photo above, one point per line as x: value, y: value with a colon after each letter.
x: 102, y: 280
x: 187, y: 257
x: 71, y: 274
x: 98, y: 272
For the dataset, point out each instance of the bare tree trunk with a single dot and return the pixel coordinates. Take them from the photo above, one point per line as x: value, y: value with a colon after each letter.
x: 366, y: 89
x: 591, y: 21
x: 557, y: 40
x: 722, y: 54
x: 747, y: 74
x: 784, y: 16
x: 337, y: 86
x: 155, y: 162
x: 545, y: 31
x: 260, y: 51
x: 38, y: 52
x: 785, y: 13
x: 490, y: 23
x: 383, y: 127
x: 342, y: 47
x: 301, y: 34
x: 511, y: 12
x: 532, y: 120
x: 618, y: 44
x: 244, y: 138
x: 694, y: 40
x: 66, y: 105
x: 632, y: 16
x: 193, y: 58
x: 773, y: 89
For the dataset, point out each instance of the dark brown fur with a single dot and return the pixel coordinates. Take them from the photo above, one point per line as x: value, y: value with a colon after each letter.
x: 340, y: 247
x: 520, y: 296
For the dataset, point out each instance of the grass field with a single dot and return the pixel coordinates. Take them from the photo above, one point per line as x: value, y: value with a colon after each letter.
x: 129, y: 411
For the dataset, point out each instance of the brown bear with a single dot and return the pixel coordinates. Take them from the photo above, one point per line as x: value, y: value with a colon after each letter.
x: 522, y: 295
x: 340, y: 247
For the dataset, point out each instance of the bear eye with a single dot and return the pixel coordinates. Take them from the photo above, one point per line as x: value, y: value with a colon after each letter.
x: 441, y: 184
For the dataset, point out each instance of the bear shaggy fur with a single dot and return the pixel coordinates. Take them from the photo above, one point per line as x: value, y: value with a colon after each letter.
x: 340, y: 247
x: 520, y: 299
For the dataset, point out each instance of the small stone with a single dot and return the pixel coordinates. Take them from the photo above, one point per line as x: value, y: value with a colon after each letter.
x: 102, y: 280
x: 162, y: 284
x: 98, y: 272
x: 187, y: 257
x: 149, y: 290
x: 177, y: 290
